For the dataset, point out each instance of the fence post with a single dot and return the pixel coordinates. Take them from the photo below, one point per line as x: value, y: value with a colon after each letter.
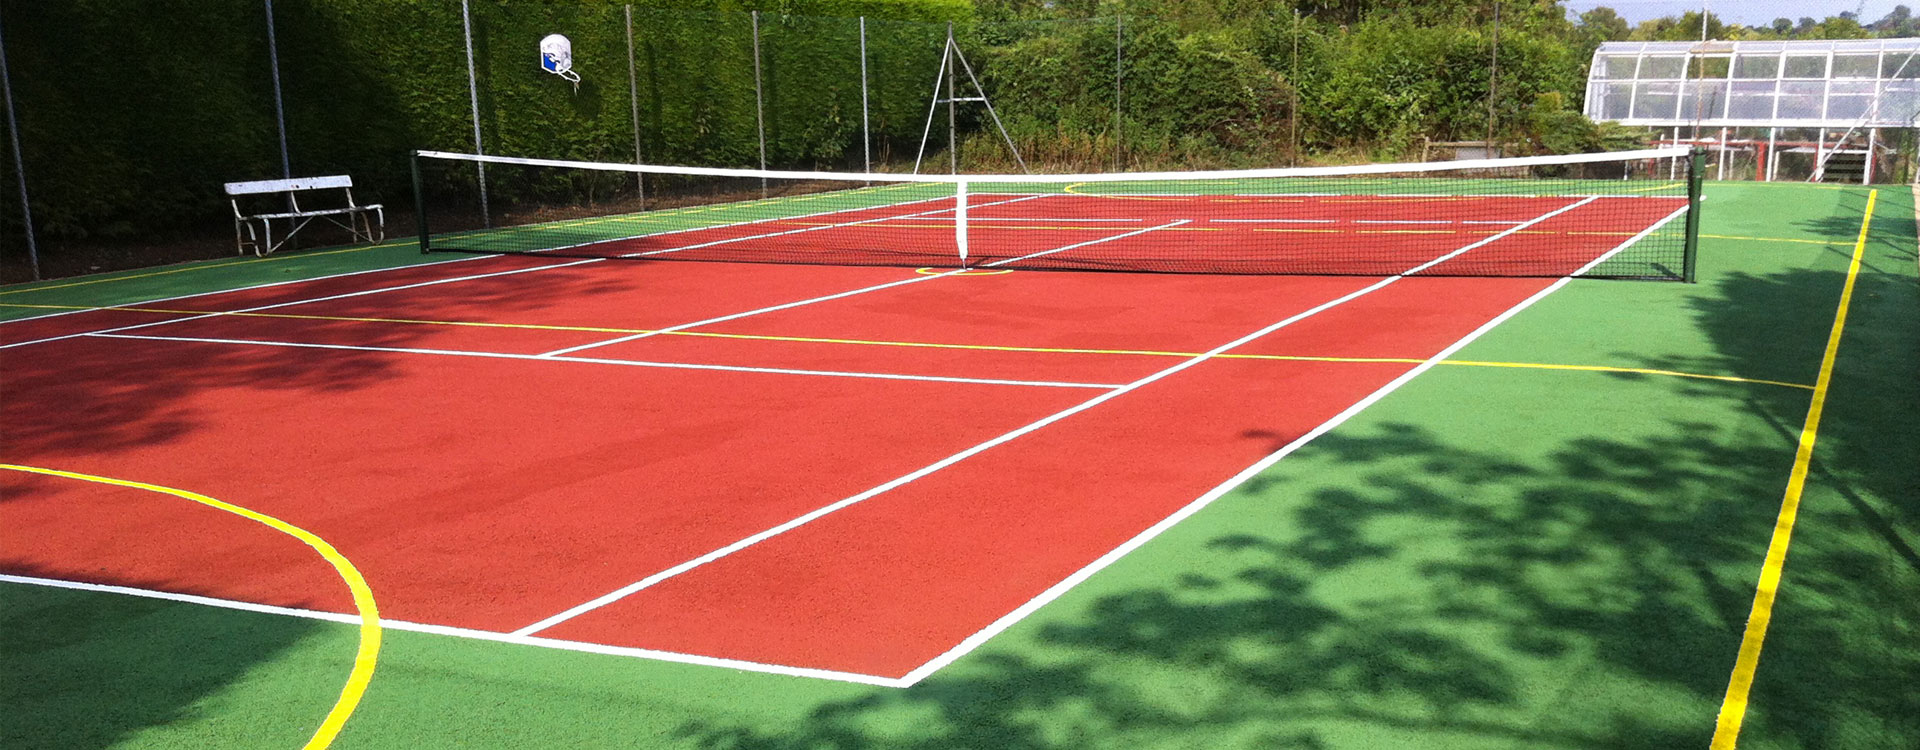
x: 279, y: 110
x: 759, y: 101
x: 633, y: 102
x: 866, y: 128
x: 1119, y: 139
x: 19, y: 165
x: 473, y: 100
x: 953, y: 129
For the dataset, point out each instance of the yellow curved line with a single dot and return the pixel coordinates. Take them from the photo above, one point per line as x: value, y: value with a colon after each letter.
x: 971, y: 347
x: 369, y: 651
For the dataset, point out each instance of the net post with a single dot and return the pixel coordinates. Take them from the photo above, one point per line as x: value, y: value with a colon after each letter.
x: 960, y: 219
x: 1696, y: 175
x: 419, y: 205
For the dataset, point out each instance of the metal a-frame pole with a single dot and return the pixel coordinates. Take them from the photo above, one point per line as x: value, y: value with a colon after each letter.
x: 978, y: 89
x: 953, y: 128
x: 933, y: 105
x: 473, y: 100
x: 19, y: 165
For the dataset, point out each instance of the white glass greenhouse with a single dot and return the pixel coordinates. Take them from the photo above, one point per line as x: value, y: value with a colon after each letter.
x: 1838, y: 110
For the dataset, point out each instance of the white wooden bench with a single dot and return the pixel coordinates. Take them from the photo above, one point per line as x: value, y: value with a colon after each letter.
x: 368, y: 223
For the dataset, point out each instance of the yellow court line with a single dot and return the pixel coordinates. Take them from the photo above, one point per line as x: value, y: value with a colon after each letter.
x: 1733, y: 708
x: 1769, y: 239
x: 369, y: 650
x: 930, y: 345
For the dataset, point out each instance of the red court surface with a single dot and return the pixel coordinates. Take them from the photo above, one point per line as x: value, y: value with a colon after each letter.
x: 853, y: 473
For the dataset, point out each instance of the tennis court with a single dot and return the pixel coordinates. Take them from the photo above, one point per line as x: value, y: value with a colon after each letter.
x: 866, y: 462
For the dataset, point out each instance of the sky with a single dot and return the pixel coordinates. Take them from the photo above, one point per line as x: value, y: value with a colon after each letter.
x: 1747, y: 12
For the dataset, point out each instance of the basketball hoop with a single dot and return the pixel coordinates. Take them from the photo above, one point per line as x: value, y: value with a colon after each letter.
x: 556, y: 57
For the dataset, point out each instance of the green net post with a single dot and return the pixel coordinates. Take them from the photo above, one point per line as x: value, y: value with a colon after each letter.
x: 419, y: 205
x: 1696, y: 175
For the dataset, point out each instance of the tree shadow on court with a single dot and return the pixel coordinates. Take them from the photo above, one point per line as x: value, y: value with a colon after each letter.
x: 1400, y: 585
x: 1430, y: 592
x: 98, y: 396
x: 94, y: 670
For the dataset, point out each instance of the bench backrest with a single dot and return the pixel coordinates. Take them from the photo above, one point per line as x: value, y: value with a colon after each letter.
x: 256, y: 187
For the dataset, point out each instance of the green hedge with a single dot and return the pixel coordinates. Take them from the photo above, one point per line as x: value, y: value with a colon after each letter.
x: 132, y: 114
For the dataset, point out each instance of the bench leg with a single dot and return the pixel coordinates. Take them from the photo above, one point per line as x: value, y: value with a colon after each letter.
x: 244, y: 237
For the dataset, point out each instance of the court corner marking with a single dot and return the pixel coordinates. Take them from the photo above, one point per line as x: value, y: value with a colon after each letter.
x: 367, y: 654
x: 1733, y: 707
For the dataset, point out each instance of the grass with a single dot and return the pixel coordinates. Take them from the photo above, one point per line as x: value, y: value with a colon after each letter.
x: 1488, y: 558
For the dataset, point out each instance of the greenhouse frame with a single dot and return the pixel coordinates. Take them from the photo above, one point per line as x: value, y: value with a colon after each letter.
x: 1824, y: 110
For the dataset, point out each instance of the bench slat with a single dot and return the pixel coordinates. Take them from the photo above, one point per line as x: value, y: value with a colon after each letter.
x: 255, y: 187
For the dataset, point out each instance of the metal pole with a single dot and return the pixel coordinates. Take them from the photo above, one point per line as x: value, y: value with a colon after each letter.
x: 866, y: 128
x: 473, y: 100
x: 1703, y: 20
x: 1119, y: 138
x: 933, y: 106
x: 1493, y: 79
x: 953, y: 141
x: 988, y: 103
x: 19, y: 165
x: 1293, y: 96
x: 633, y: 101
x: 759, y: 101
x: 279, y: 110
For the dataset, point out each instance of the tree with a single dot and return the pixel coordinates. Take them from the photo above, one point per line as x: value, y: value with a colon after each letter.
x: 1840, y: 27
x: 1605, y: 24
x: 1783, y: 27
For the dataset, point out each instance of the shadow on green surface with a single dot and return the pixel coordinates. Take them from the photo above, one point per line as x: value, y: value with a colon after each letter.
x: 1449, y: 585
x: 93, y: 670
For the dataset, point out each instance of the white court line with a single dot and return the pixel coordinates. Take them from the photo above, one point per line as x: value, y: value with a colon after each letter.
x: 1274, y: 221
x: 1500, y: 222
x: 735, y: 316
x: 629, y: 589
x: 1402, y: 221
x: 779, y: 307
x: 460, y: 259
x: 177, y: 297
x: 598, y: 361
x: 1028, y: 256
x: 1495, y: 237
x: 307, y: 301
x: 1065, y: 220
x: 1630, y: 241
x: 802, y: 520
x: 455, y: 632
x: 684, y: 230
x: 836, y: 225
x: 1057, y: 590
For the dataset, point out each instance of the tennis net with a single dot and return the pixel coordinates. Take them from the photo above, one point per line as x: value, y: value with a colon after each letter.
x: 1623, y: 215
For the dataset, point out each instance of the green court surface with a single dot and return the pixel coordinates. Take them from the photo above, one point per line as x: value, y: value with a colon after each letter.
x: 1497, y: 555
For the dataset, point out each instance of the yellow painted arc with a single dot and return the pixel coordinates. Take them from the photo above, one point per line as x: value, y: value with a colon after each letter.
x: 1733, y: 707
x: 365, y: 657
